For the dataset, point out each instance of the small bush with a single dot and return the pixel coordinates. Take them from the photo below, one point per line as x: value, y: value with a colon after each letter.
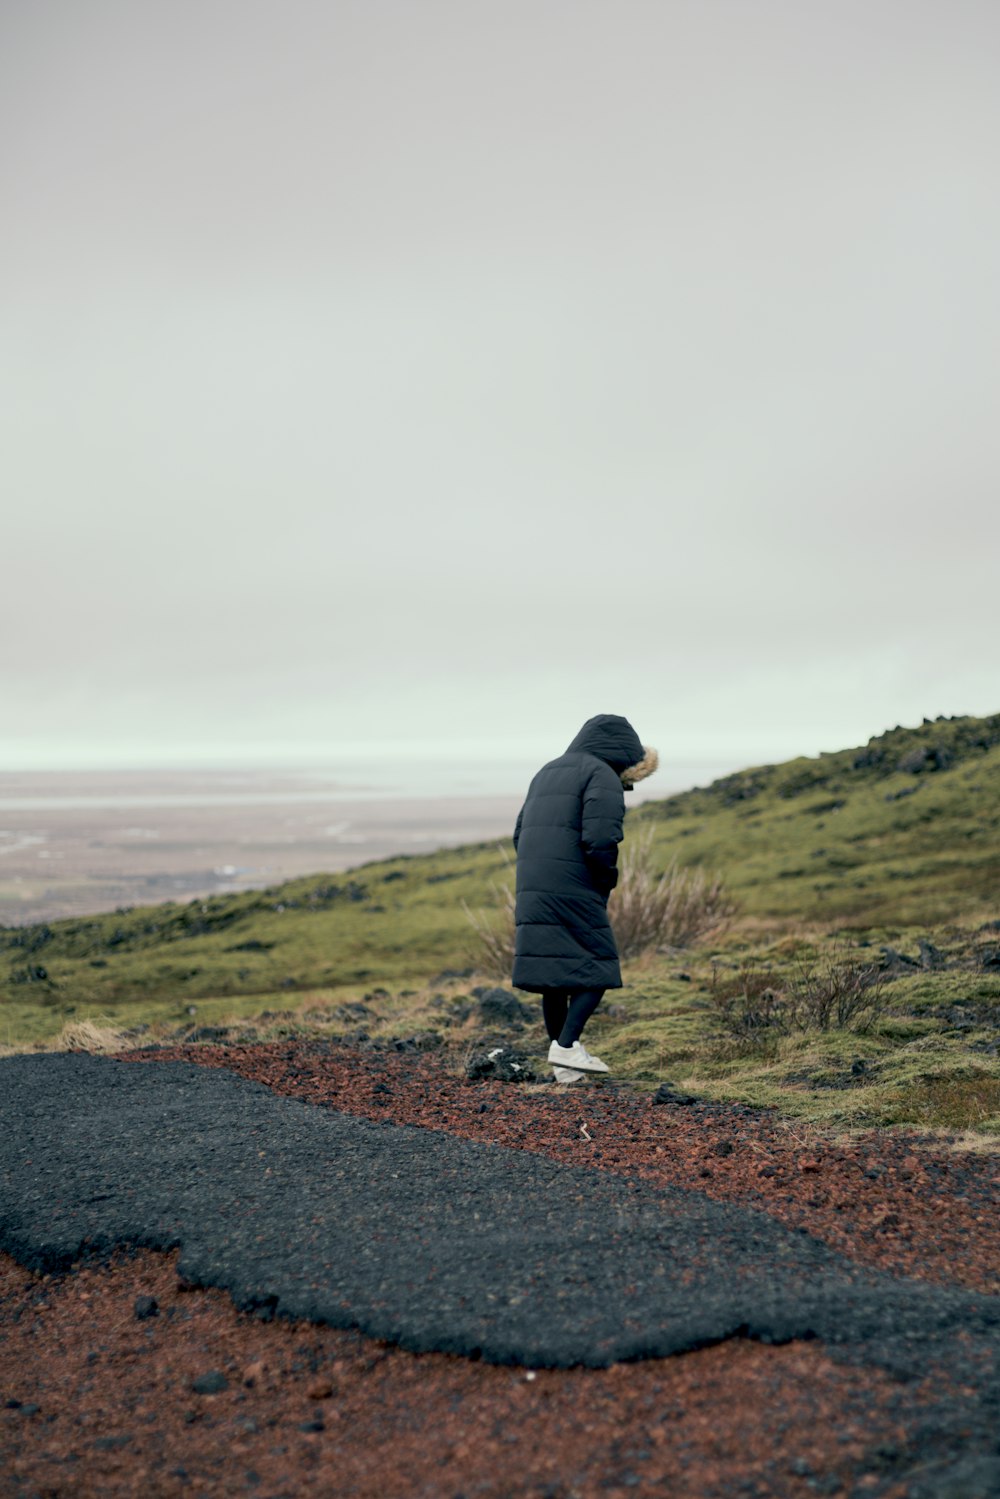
x: 843, y: 995
x: 750, y: 1007
x: 646, y: 910
x: 672, y: 909
x: 495, y: 931
x: 757, y: 1005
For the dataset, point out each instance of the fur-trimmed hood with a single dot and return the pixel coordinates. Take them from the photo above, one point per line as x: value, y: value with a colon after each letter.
x: 612, y: 739
x: 642, y: 768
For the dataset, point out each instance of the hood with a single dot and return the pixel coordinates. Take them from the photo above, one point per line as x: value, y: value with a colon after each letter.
x: 612, y: 739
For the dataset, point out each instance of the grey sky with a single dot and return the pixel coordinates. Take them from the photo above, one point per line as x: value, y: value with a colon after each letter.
x: 436, y: 375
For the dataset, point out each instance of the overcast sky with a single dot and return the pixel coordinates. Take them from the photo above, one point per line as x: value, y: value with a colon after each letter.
x: 425, y: 377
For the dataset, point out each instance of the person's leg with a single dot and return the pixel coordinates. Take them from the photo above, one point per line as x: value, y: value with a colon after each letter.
x: 581, y: 1006
x: 555, y: 1004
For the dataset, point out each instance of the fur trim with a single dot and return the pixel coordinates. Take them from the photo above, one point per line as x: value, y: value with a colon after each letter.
x: 641, y: 769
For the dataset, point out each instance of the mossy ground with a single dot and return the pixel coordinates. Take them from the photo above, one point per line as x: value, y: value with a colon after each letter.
x: 852, y: 852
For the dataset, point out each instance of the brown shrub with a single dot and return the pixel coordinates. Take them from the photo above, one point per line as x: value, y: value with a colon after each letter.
x: 841, y: 995
x: 757, y: 1004
x: 751, y: 1007
x: 495, y: 931
x: 646, y: 910
x: 672, y: 909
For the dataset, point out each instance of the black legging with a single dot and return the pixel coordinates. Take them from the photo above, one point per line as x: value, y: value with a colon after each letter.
x: 566, y: 1012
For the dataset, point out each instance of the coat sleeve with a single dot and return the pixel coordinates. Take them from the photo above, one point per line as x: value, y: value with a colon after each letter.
x: 517, y: 828
x: 602, y: 827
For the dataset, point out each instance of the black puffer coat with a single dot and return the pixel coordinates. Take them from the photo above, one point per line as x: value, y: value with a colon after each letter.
x: 567, y: 838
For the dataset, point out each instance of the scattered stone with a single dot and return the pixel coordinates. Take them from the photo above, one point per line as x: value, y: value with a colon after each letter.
x: 501, y: 1007
x: 146, y: 1306
x: 667, y: 1094
x: 925, y: 758
x: 930, y: 956
x: 723, y: 1147
x: 420, y: 1041
x: 894, y: 959
x: 212, y: 1383
x: 109, y: 1444
x: 253, y: 1373
x: 317, y: 1424
x: 989, y: 958
x: 886, y: 1220
x: 320, y: 1389
x: 500, y: 1064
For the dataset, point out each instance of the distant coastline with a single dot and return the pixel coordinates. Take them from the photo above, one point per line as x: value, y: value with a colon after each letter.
x: 74, y: 843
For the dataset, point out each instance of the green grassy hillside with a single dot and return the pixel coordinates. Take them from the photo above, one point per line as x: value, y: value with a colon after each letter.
x: 887, y: 845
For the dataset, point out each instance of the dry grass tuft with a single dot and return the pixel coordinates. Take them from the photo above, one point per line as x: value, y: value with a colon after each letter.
x: 86, y: 1035
x: 646, y: 910
x: 495, y: 931
x: 672, y: 909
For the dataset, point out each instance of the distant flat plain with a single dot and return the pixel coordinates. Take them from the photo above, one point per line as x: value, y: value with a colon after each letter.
x: 77, y: 842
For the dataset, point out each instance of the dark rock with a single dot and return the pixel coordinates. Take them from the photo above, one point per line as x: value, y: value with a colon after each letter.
x: 501, y: 1007
x: 207, y: 1033
x: 925, y: 758
x: 869, y: 758
x: 28, y: 1409
x: 989, y: 958
x: 35, y: 973
x: 317, y: 1424
x: 252, y: 946
x: 895, y: 796
x: 894, y: 959
x: 500, y: 1064
x: 859, y: 1067
x: 420, y: 1041
x: 666, y: 1094
x: 212, y: 1383
x: 146, y: 1306
x: 108, y: 1444
x: 722, y: 1147
x: 930, y: 956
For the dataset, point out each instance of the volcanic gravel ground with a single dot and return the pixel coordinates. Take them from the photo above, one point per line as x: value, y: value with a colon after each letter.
x: 100, y: 1402
x: 887, y: 1199
x: 442, y: 1243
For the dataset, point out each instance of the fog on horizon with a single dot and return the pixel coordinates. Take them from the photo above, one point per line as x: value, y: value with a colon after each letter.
x: 416, y: 381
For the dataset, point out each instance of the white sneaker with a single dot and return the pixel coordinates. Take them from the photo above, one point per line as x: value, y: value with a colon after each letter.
x: 568, y: 1075
x: 576, y: 1056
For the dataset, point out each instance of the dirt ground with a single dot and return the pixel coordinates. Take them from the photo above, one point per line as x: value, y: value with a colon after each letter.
x: 103, y: 1393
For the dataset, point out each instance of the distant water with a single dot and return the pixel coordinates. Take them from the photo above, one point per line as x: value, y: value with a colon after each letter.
x: 89, y: 790
x: 72, y: 843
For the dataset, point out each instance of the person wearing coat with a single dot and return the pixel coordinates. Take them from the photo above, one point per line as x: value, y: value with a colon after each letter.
x: 566, y: 839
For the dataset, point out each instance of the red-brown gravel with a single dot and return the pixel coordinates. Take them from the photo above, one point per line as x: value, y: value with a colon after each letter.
x: 311, y: 1410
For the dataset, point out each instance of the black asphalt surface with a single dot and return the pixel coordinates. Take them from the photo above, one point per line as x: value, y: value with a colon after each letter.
x: 439, y: 1243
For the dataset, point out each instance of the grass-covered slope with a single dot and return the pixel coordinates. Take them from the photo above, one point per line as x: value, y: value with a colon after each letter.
x: 902, y: 831
x: 885, y: 845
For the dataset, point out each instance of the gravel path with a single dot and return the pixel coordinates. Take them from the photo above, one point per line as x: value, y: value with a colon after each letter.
x: 439, y: 1243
